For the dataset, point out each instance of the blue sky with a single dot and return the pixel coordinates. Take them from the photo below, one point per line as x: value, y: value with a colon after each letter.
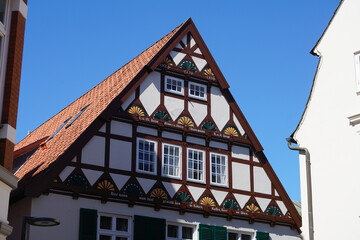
x: 261, y: 46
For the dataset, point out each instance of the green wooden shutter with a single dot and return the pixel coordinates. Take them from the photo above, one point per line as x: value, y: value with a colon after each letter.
x: 207, y: 232
x: 219, y: 233
x: 262, y: 236
x: 88, y: 224
x: 149, y: 228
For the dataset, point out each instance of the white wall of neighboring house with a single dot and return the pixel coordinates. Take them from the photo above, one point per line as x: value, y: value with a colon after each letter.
x: 326, y: 130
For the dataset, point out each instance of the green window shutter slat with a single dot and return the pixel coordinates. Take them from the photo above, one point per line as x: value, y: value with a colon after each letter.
x: 149, y: 228
x: 205, y: 232
x: 88, y: 224
x: 262, y: 236
x: 219, y: 233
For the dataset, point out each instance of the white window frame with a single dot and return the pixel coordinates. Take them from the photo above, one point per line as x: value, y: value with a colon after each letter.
x: 113, y: 233
x: 203, y: 166
x: 137, y: 156
x: 240, y: 233
x: 180, y: 161
x: 174, y: 91
x: 357, y: 71
x: 180, y: 225
x: 199, y: 85
x: 226, y: 183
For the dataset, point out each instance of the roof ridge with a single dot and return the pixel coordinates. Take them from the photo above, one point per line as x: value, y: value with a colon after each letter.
x: 97, y: 85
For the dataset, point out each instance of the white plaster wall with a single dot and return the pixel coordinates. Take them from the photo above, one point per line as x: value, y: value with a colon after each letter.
x: 198, y: 111
x: 150, y: 92
x: 262, y: 183
x: 195, y: 140
x: 121, y: 128
x: 91, y: 175
x: 240, y: 152
x: 220, y: 145
x: 325, y: 130
x: 171, y: 135
x: 4, y: 203
x: 94, y: 151
x: 238, y: 125
x: 174, y: 106
x: 241, y: 176
x: 120, y: 154
x: 67, y: 211
x: 66, y: 172
x: 127, y: 102
x: 146, y: 130
x: 219, y: 108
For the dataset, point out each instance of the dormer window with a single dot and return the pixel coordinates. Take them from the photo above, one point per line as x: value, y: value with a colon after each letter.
x: 174, y: 85
x: 197, y: 91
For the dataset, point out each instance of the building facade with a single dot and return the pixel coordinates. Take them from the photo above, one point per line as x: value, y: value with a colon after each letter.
x: 330, y: 129
x: 158, y: 150
x: 12, y: 28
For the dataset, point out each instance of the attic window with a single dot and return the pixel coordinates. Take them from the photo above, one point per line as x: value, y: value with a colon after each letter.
x: 77, y: 116
x: 62, y: 125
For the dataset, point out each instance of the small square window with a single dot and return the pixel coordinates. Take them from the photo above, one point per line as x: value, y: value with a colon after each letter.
x: 174, y: 85
x: 173, y: 231
x: 122, y: 224
x: 187, y: 232
x: 179, y: 232
x: 105, y: 222
x: 114, y: 227
x: 197, y: 91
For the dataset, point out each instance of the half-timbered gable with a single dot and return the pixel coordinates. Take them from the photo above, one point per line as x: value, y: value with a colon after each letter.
x: 170, y: 138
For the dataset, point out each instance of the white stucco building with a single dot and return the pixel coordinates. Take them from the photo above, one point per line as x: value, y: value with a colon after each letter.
x: 330, y: 130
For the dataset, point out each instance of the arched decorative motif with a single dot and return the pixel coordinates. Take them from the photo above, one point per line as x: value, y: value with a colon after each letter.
x: 168, y: 61
x: 207, y: 200
x: 161, y: 115
x: 77, y: 180
x: 273, y: 210
x: 137, y: 110
x: 231, y: 130
x: 188, y: 65
x: 186, y: 121
x: 158, y: 193
x: 208, y: 72
x: 106, y: 185
x: 208, y: 126
x: 252, y: 207
x: 230, y: 203
x: 183, y: 197
x: 132, y: 189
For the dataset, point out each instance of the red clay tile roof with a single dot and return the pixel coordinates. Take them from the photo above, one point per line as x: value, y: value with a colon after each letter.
x: 98, y: 97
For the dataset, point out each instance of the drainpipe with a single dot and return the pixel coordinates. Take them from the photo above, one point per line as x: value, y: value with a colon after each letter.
x: 308, y: 183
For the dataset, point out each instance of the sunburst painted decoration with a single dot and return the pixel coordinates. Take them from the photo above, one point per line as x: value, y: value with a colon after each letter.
x: 137, y: 110
x: 77, y: 180
x: 132, y: 189
x: 208, y: 72
x: 158, y: 193
x: 231, y: 204
x: 186, y: 121
x: 161, y: 115
x: 207, y: 200
x: 183, y: 197
x: 231, y: 131
x: 188, y: 65
x: 273, y: 210
x: 288, y: 215
x: 106, y: 185
x: 209, y: 126
x: 252, y: 207
x: 168, y: 61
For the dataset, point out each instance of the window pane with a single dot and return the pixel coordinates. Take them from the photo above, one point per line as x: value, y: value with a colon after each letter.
x: 105, y: 222
x: 173, y: 231
x: 232, y: 236
x: 187, y: 233
x: 2, y: 10
x: 103, y: 237
x: 245, y: 237
x: 121, y: 224
x: 121, y: 238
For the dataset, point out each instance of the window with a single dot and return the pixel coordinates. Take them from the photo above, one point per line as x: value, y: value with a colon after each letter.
x: 2, y: 11
x: 238, y: 236
x: 195, y: 165
x: 219, y: 169
x: 3, y: 27
x: 357, y: 71
x: 176, y: 231
x: 146, y: 156
x: 197, y: 91
x: 171, y: 160
x: 111, y: 227
x: 174, y: 85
